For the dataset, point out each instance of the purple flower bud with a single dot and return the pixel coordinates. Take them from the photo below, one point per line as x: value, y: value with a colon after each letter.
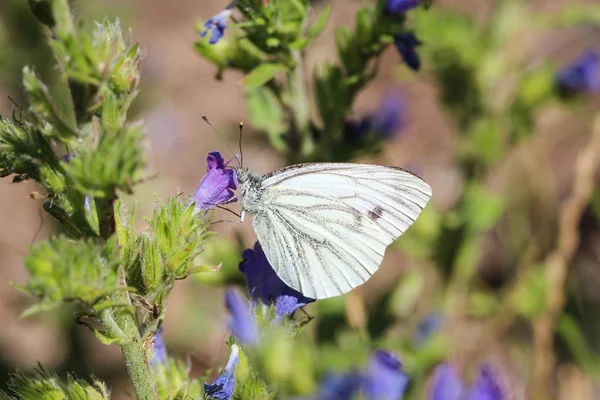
x: 242, y: 324
x: 406, y: 44
x: 217, y: 185
x: 385, y: 378
x: 263, y: 283
x: 217, y: 24
x: 160, y: 350
x: 447, y: 385
x: 581, y: 76
x: 224, y: 385
x: 396, y: 7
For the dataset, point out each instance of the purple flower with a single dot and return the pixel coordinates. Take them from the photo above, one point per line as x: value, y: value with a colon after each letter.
x: 396, y: 7
x: 222, y: 388
x: 385, y: 379
x: 447, y: 385
x: 390, y: 116
x: 160, y: 350
x: 242, y: 324
x: 217, y: 24
x: 581, y: 76
x: 217, y: 185
x: 388, y: 119
x: 406, y: 44
x: 339, y: 387
x: 263, y: 283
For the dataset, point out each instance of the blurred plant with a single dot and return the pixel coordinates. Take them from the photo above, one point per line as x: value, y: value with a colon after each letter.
x: 269, y: 45
x: 119, y: 281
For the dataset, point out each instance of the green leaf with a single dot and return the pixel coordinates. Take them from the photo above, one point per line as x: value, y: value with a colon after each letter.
x: 263, y: 74
x: 266, y: 113
x: 571, y: 333
x: 482, y: 209
x: 320, y: 23
x: 528, y: 297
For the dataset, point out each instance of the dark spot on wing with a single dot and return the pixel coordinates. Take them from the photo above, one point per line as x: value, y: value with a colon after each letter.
x: 376, y: 213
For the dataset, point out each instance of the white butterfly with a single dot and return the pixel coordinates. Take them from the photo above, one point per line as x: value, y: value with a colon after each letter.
x: 324, y: 227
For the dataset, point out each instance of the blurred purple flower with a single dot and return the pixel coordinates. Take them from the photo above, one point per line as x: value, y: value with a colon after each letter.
x: 217, y: 24
x: 387, y: 120
x: 390, y: 116
x: 242, y: 324
x: 217, y: 185
x: 406, y: 44
x: 160, y: 350
x: 395, y: 7
x: 581, y: 76
x: 339, y: 387
x: 224, y: 385
x: 385, y: 379
x: 447, y: 385
x: 427, y: 327
x: 263, y: 283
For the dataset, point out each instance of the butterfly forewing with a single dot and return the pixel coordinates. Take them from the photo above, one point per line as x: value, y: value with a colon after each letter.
x: 324, y: 227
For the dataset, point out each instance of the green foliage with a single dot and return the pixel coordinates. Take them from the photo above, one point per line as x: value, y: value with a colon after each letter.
x: 63, y: 270
x: 173, y: 382
x: 43, y: 385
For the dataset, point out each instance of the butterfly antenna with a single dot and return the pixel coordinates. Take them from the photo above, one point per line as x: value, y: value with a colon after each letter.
x: 205, y: 118
x: 240, y: 145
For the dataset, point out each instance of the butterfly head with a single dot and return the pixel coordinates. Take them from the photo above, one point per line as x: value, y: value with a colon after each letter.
x: 244, y: 175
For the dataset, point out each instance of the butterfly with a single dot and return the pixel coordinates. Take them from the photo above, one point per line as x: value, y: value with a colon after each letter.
x: 324, y: 227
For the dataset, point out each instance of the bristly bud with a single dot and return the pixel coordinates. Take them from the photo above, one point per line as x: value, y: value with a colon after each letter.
x: 63, y: 270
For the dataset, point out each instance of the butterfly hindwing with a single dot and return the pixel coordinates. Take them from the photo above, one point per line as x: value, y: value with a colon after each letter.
x: 324, y: 227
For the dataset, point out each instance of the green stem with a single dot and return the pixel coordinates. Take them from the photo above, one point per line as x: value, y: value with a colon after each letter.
x: 133, y: 350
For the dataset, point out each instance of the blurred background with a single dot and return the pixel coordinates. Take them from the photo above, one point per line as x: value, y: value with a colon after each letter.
x: 493, y: 304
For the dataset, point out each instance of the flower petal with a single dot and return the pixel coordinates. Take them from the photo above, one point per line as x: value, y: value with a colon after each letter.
x: 160, y: 350
x: 446, y: 385
x: 217, y: 185
x: 385, y: 379
x: 263, y: 283
x: 242, y: 324
x: 224, y: 385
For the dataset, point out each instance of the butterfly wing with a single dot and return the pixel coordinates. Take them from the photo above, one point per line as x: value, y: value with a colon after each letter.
x: 325, y: 227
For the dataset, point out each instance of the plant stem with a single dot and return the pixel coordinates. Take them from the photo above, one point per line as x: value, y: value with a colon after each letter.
x: 134, y: 352
x: 122, y: 324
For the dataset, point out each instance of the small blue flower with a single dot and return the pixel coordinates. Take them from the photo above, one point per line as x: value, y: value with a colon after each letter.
x: 217, y: 185
x: 263, y: 283
x: 385, y: 379
x: 222, y: 388
x: 581, y: 76
x: 160, y: 350
x: 242, y: 324
x: 217, y: 24
x: 406, y: 44
x: 447, y: 385
x: 396, y: 7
